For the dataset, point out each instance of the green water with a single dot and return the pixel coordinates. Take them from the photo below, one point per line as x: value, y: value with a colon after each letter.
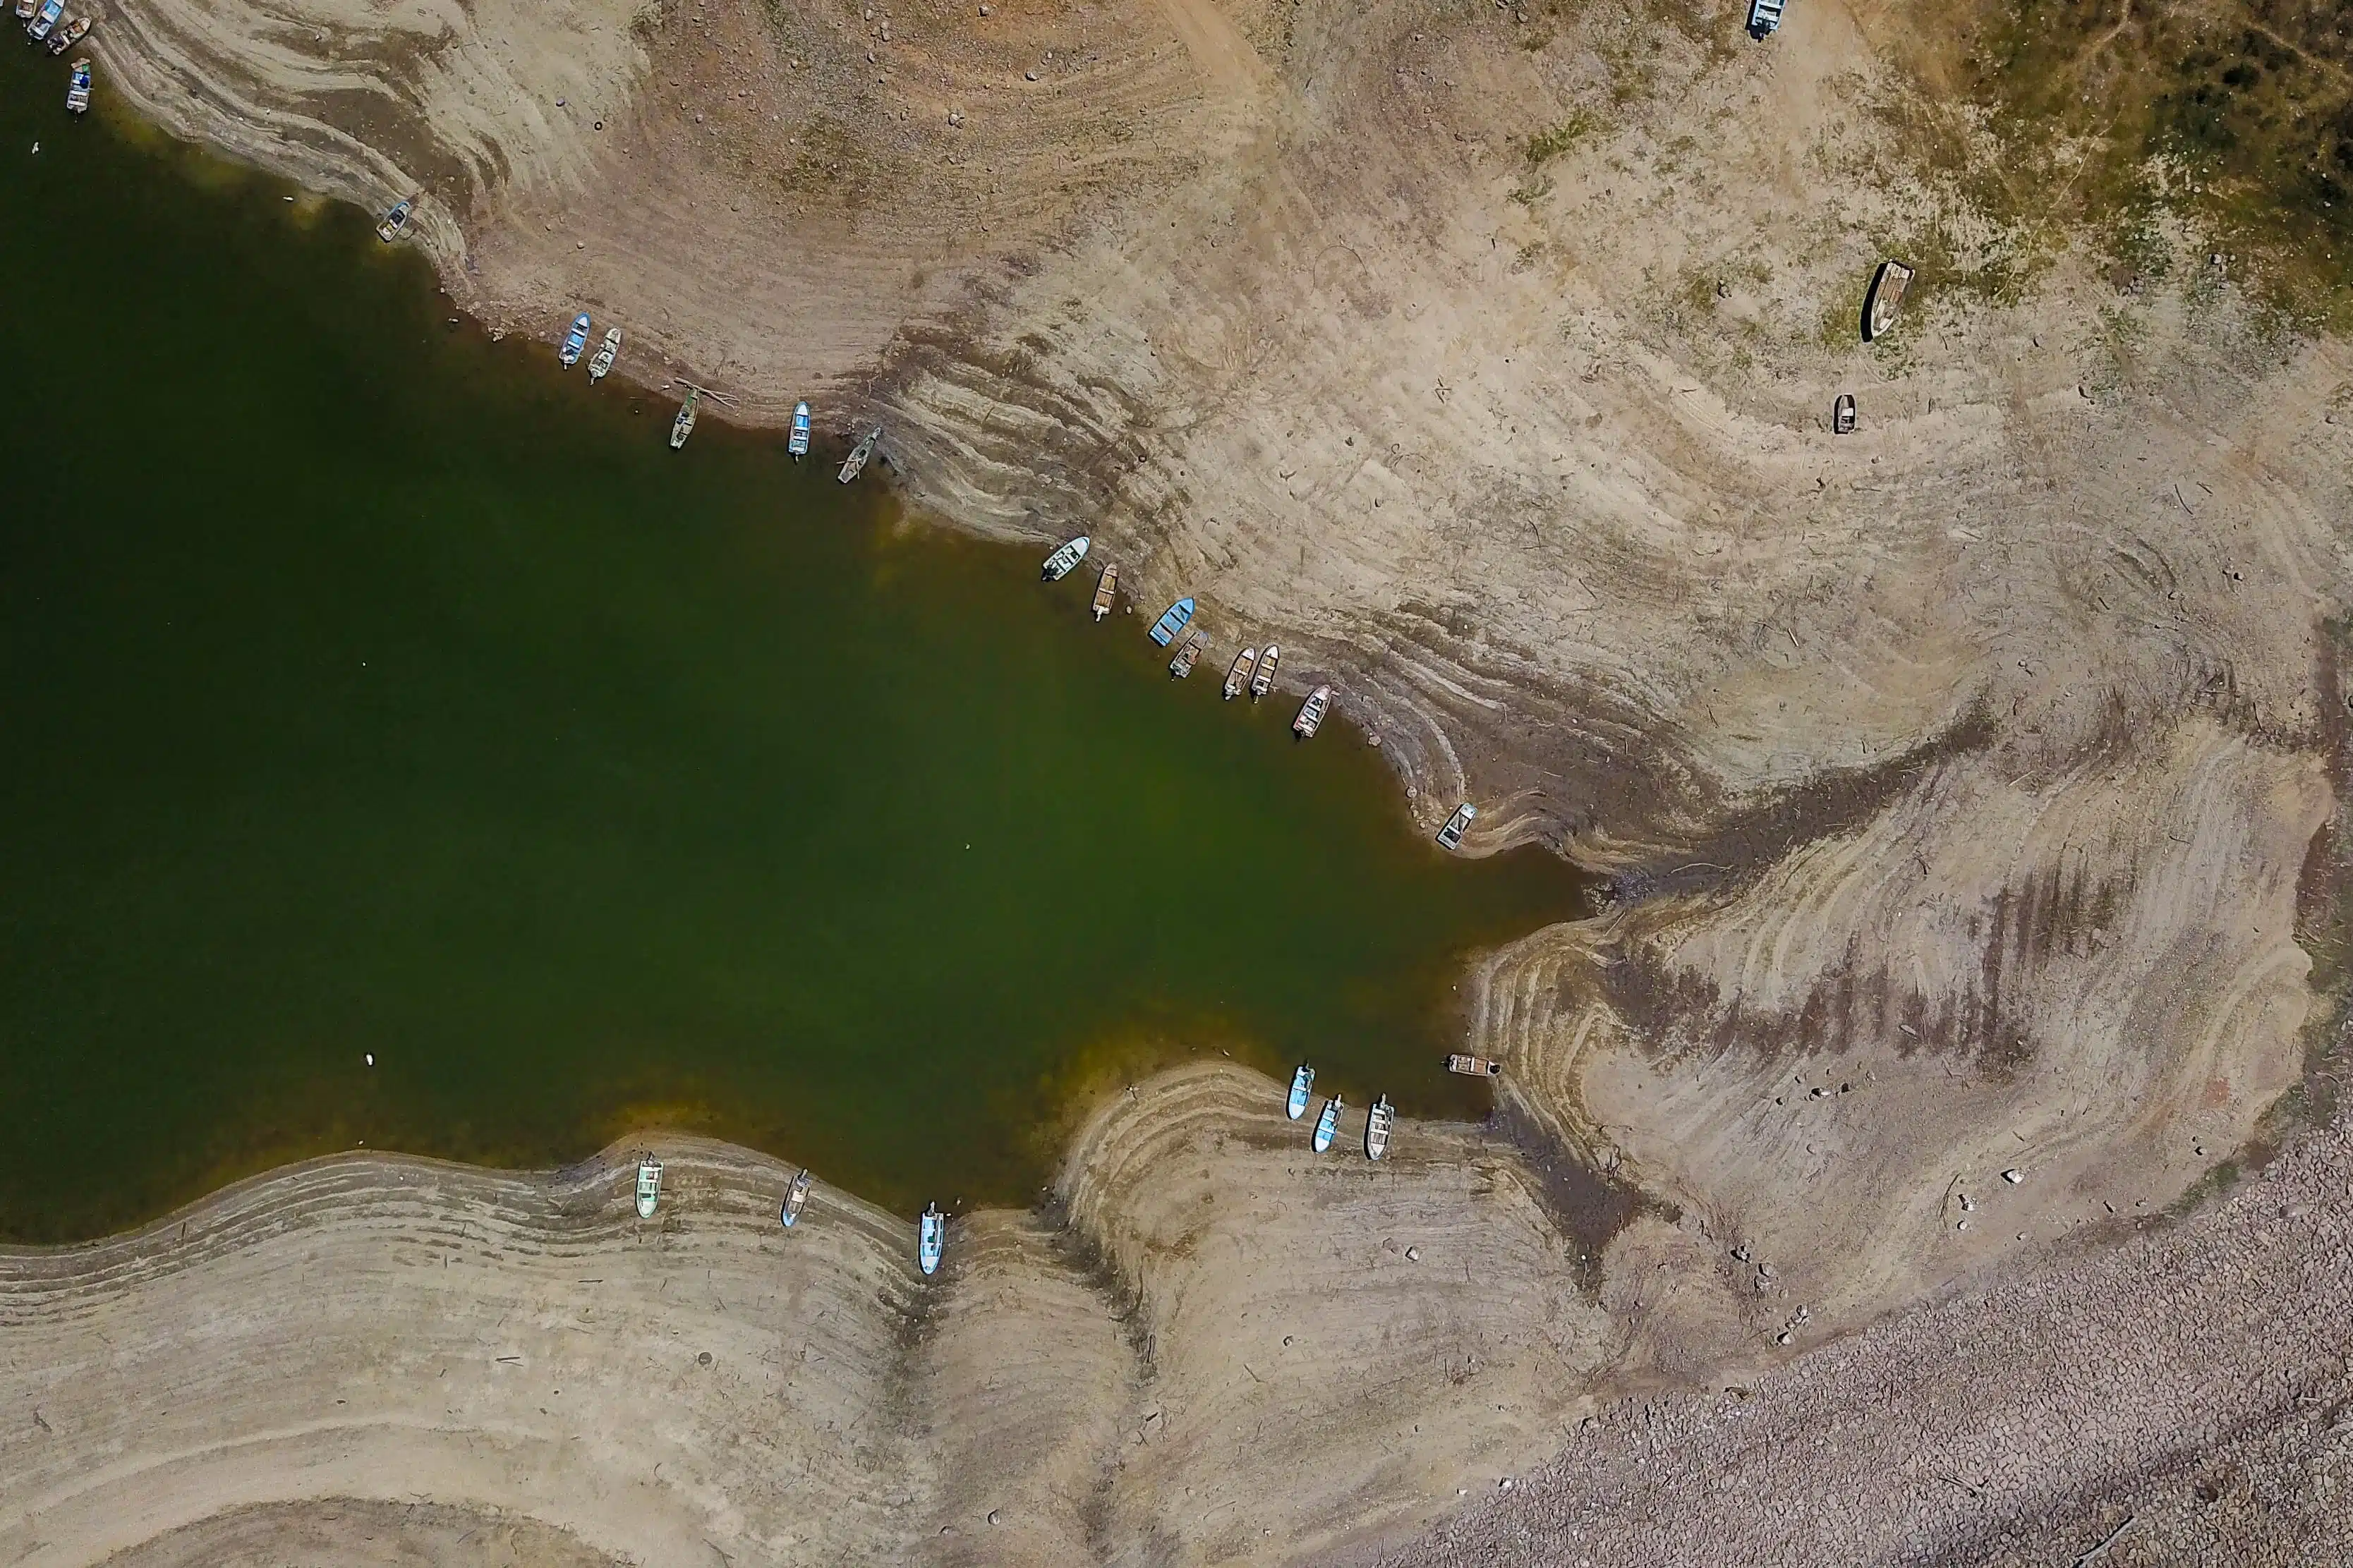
x: 367, y: 687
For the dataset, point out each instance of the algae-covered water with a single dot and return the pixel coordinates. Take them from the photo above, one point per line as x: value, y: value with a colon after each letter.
x: 370, y: 688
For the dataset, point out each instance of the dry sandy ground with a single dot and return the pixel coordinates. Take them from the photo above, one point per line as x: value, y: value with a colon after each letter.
x: 1969, y: 782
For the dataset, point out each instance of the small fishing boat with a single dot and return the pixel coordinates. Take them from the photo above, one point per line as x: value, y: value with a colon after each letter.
x: 1842, y: 414
x: 1887, y: 287
x: 1187, y: 652
x: 575, y: 341
x: 1474, y: 1067
x: 1106, y: 591
x: 684, y: 426
x: 1303, y: 1083
x: 66, y: 36
x: 1377, y: 1128
x: 1451, y: 836
x: 1237, y: 677
x: 795, y: 1199
x: 25, y: 9
x: 855, y: 464
x: 1310, y: 713
x: 648, y: 1186
x: 1327, y: 1125
x: 1172, y: 621
x: 77, y: 88
x: 932, y: 1239
x: 1058, y: 564
x: 798, y: 443
x: 46, y: 19
x: 1263, y: 681
x: 395, y: 222
x: 600, y: 364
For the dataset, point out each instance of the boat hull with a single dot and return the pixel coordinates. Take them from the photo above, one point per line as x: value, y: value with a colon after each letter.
x: 1376, y: 1129
x: 795, y: 1200
x: 799, y: 444
x: 1302, y: 1086
x: 1106, y: 591
x: 931, y: 1242
x: 1065, y: 559
x: 1263, y: 681
x: 1451, y: 836
x: 1327, y: 1125
x: 1172, y: 620
x: 650, y: 1176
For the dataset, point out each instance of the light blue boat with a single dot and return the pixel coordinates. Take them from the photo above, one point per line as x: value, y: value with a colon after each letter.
x: 1302, y: 1082
x: 1327, y: 1125
x: 799, y: 444
x: 932, y: 1239
x: 1172, y: 621
x: 576, y: 342
x: 39, y: 25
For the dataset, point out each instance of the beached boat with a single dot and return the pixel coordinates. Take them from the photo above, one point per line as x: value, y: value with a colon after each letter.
x: 1303, y: 1083
x: 1327, y: 1125
x: 1060, y: 564
x: 1451, y: 836
x: 1172, y: 621
x: 1187, y: 652
x: 1237, y: 677
x: 855, y: 464
x: 932, y: 1239
x: 648, y: 1186
x: 1887, y: 287
x: 1106, y: 591
x: 600, y: 364
x: 1377, y: 1128
x: 1474, y: 1067
x: 1263, y: 681
x: 1842, y: 414
x: 77, y: 88
x: 395, y: 222
x: 66, y: 36
x: 25, y: 9
x: 798, y: 444
x: 795, y: 1199
x: 1310, y: 713
x: 575, y: 341
x: 684, y: 426
x: 44, y: 19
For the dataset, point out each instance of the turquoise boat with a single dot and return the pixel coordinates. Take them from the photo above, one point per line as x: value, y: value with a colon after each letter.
x: 799, y: 444
x: 1302, y: 1083
x: 575, y: 341
x: 796, y: 1198
x: 50, y: 11
x: 1327, y: 1125
x: 932, y: 1239
x: 1172, y: 621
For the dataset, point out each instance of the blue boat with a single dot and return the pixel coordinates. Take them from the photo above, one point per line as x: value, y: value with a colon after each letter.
x: 933, y: 1240
x: 799, y: 444
x: 576, y: 342
x: 1327, y: 1125
x: 39, y: 25
x: 796, y: 1198
x: 1172, y: 621
x: 1302, y: 1082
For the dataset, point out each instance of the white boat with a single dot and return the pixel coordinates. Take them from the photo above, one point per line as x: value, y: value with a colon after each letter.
x: 1059, y: 564
x: 1377, y: 1128
x: 1451, y: 836
x: 798, y: 444
x: 1188, y: 653
x: 1474, y: 1067
x: 576, y: 342
x: 1327, y: 1125
x: 77, y: 88
x: 395, y: 222
x: 25, y: 9
x: 1310, y: 713
x: 684, y: 426
x: 1106, y: 591
x: 855, y: 464
x: 1303, y: 1084
x: 932, y: 1240
x: 72, y: 33
x: 1263, y: 681
x: 1238, y: 678
x: 795, y: 1199
x: 648, y: 1186
x: 600, y: 364
x: 1887, y: 285
x: 44, y: 19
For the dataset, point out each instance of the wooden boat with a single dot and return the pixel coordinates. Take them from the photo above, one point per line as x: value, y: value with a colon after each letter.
x: 932, y: 1240
x: 1238, y: 678
x: 1188, y: 653
x: 855, y: 464
x: 1310, y: 713
x: 1106, y: 591
x: 77, y: 88
x: 1303, y: 1082
x: 1842, y: 414
x: 795, y: 1199
x: 648, y: 1186
x: 797, y: 445
x: 1886, y: 293
x: 395, y: 222
x: 575, y: 341
x: 44, y: 19
x: 1172, y: 620
x: 1451, y: 836
x: 1263, y: 681
x: 684, y: 426
x: 25, y: 9
x: 600, y: 364
x: 1377, y: 1128
x: 1474, y: 1067
x: 66, y: 36
x: 1327, y: 1125
x: 1059, y: 564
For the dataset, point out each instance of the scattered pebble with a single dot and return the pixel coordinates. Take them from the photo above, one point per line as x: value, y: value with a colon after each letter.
x: 1030, y: 76
x: 702, y: 1360
x: 992, y: 1516
x: 369, y: 1059
x: 2013, y: 1177
x: 1413, y: 1255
